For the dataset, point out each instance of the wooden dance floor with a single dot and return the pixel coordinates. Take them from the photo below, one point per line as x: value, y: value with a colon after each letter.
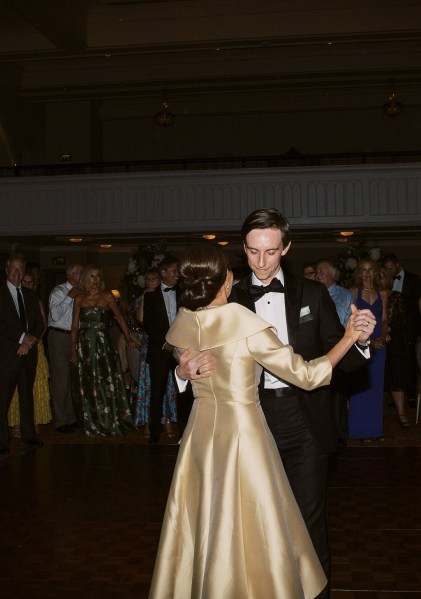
x: 81, y: 519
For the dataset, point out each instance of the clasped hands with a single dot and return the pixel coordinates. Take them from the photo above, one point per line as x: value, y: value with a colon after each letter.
x: 29, y: 341
x: 363, y: 321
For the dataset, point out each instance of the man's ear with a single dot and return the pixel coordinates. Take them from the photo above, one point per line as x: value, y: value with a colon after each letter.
x: 285, y: 250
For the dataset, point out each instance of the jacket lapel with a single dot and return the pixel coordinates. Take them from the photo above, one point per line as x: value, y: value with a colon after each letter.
x: 293, y: 295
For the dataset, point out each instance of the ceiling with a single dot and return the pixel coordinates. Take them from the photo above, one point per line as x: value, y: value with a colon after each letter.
x: 340, y: 54
x: 227, y: 56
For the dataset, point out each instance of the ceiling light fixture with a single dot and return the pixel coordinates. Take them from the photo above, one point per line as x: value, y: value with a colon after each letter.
x: 347, y: 233
x: 164, y: 117
x: 75, y: 239
x: 208, y: 236
x: 392, y: 107
x: 222, y: 242
x: 106, y: 246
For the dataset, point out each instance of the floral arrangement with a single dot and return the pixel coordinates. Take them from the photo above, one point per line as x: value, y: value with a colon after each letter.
x: 348, y: 259
x: 144, y: 257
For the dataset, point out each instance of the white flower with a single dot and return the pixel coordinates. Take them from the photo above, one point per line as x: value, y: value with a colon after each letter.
x: 140, y: 281
x: 374, y: 254
x: 351, y: 263
x: 132, y: 266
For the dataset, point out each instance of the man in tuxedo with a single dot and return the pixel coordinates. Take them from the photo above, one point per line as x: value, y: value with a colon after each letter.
x: 21, y: 324
x: 305, y: 317
x: 409, y: 285
x: 159, y: 312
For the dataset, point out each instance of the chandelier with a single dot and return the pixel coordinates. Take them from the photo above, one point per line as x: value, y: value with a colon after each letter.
x: 392, y: 107
x: 164, y: 117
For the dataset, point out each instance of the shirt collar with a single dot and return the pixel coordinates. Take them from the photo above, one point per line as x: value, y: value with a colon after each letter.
x: 12, y: 287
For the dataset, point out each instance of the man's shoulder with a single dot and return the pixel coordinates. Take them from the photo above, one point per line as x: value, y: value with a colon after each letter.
x: 61, y: 288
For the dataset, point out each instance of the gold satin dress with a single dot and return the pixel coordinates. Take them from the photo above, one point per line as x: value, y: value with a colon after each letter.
x: 232, y: 528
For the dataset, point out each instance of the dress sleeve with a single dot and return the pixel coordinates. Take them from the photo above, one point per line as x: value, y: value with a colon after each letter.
x: 281, y: 361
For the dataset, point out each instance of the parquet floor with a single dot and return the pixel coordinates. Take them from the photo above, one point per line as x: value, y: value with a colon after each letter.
x: 81, y: 519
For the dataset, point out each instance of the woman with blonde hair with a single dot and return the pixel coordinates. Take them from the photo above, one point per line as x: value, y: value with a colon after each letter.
x: 103, y: 401
x: 365, y: 420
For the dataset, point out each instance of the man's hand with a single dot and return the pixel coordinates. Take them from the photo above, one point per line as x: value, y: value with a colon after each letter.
x: 201, y: 366
x: 74, y: 292
x: 29, y: 341
x: 364, y: 322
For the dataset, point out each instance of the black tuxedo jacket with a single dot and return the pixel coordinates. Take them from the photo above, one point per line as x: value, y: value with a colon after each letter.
x: 155, y: 321
x: 411, y: 292
x: 313, y: 328
x: 10, y: 326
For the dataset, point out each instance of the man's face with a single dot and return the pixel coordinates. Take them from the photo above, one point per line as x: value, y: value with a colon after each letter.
x: 324, y: 274
x: 392, y: 267
x: 169, y: 276
x: 15, y: 271
x: 74, y: 275
x: 264, y: 249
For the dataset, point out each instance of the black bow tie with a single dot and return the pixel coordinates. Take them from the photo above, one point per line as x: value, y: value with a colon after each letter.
x: 258, y: 291
x: 397, y: 277
x: 169, y: 289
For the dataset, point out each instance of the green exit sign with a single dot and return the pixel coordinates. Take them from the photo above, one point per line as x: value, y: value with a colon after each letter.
x: 59, y: 261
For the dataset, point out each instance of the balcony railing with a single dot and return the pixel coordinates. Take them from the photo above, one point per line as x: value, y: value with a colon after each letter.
x: 289, y: 160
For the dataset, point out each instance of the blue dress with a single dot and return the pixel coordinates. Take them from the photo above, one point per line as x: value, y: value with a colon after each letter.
x: 365, y: 419
x: 141, y: 404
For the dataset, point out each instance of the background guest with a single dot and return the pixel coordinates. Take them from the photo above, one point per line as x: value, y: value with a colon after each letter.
x: 41, y: 390
x: 141, y: 404
x: 160, y: 309
x: 409, y: 285
x: 367, y: 387
x: 103, y: 400
x: 309, y: 271
x: 21, y: 325
x: 59, y: 325
x: 328, y: 275
x: 398, y: 370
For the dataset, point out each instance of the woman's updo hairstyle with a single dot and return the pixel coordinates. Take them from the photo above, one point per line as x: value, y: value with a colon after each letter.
x: 203, y: 270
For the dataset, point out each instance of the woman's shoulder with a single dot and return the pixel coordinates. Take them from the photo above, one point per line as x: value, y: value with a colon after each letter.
x: 205, y: 329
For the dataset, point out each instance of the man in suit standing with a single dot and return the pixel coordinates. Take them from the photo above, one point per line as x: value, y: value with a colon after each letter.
x: 305, y: 317
x: 21, y: 324
x: 409, y: 285
x: 159, y: 312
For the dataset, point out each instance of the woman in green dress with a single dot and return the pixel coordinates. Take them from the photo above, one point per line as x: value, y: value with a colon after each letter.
x: 103, y: 400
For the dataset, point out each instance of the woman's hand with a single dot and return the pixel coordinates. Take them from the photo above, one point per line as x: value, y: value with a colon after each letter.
x: 201, y: 366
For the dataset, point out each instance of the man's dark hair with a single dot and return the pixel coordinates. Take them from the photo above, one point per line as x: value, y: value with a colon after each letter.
x: 390, y: 258
x: 267, y: 218
x: 167, y: 262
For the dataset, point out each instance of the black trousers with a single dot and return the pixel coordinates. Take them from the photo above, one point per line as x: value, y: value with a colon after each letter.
x: 306, y: 466
x: 20, y: 372
x: 160, y: 364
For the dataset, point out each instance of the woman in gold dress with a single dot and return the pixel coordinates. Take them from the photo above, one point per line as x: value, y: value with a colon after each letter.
x: 42, y: 408
x: 232, y: 528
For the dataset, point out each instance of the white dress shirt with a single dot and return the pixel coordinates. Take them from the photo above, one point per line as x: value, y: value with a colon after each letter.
x: 14, y: 294
x: 271, y: 307
x: 60, y: 312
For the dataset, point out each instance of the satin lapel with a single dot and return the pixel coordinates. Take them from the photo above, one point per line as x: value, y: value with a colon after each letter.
x: 293, y: 295
x: 243, y: 294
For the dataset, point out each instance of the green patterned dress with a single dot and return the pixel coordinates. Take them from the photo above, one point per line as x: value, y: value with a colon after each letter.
x: 103, y: 400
